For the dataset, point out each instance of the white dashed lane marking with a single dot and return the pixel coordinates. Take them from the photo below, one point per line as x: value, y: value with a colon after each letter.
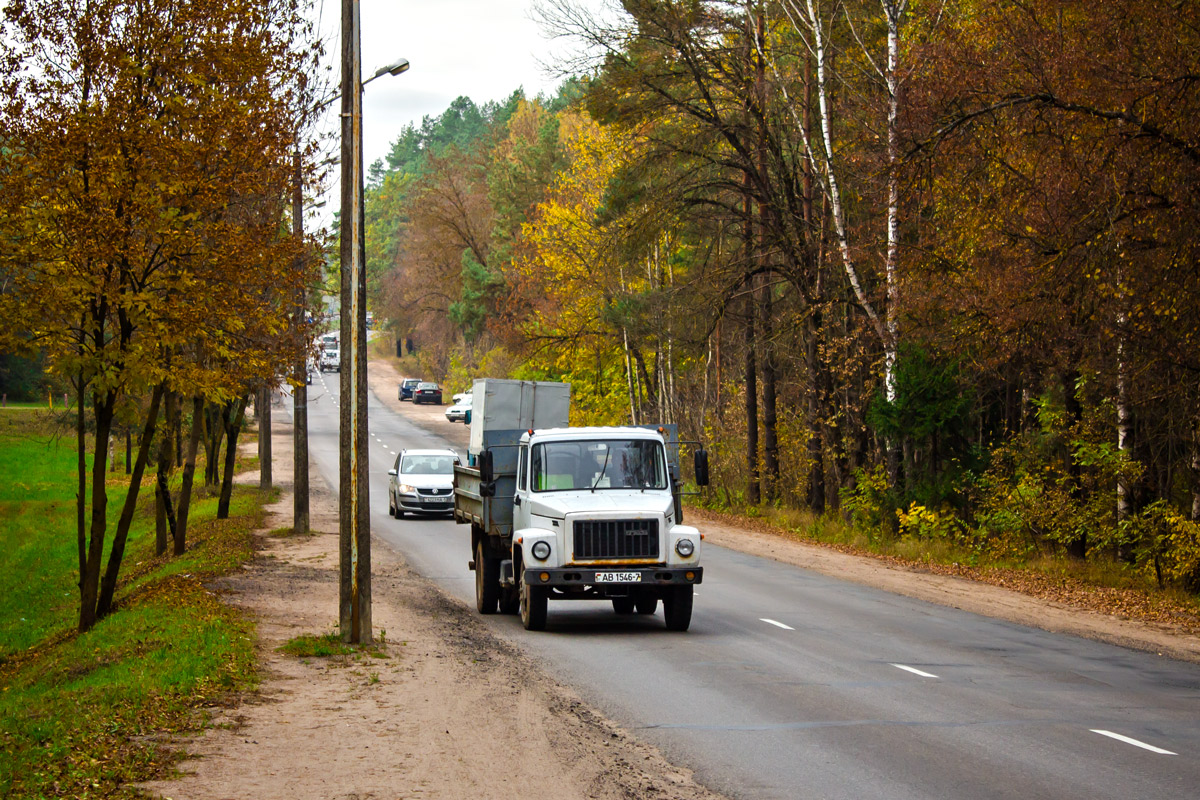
x: 777, y: 624
x: 914, y: 671
x: 1134, y: 742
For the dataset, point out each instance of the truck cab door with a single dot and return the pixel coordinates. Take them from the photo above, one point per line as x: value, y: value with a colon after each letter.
x: 521, y: 515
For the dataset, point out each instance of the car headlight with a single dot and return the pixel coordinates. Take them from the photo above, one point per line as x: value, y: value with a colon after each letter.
x: 404, y: 488
x: 685, y: 547
x: 540, y: 550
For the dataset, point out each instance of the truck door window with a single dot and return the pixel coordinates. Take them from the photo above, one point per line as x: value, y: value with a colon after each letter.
x: 522, y: 465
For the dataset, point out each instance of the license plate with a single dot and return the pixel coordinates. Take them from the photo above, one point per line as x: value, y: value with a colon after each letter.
x: 618, y: 577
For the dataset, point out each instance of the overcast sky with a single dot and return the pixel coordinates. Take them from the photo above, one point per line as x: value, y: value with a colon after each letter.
x: 484, y: 49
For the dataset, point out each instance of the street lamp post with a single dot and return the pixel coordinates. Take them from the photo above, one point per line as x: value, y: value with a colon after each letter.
x: 354, y: 518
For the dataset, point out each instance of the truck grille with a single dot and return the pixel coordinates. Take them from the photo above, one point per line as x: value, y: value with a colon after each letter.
x: 616, y: 538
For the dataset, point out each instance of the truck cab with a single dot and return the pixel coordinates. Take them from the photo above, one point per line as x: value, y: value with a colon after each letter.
x: 596, y: 515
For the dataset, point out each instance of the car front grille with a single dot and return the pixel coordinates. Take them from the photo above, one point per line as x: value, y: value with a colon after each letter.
x: 616, y: 538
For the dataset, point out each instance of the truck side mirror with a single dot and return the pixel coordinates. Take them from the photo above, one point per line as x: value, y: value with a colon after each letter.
x: 486, y: 472
x: 701, y: 467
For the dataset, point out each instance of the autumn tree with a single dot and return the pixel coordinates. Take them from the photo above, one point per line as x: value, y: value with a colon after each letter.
x: 148, y: 154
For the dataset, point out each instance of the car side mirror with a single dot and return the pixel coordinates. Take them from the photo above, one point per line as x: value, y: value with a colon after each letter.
x: 392, y: 472
x: 467, y: 416
x: 701, y: 467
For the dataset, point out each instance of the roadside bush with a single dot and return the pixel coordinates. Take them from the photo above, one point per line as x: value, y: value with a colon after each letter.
x: 871, y: 503
x: 1169, y: 545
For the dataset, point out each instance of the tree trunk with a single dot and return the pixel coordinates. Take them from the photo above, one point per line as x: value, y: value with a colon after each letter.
x: 816, y: 459
x: 1078, y: 547
x: 753, y: 486
x: 215, y: 432
x: 189, y: 473
x: 262, y: 410
x: 109, y: 585
x: 235, y: 414
x: 162, y: 486
x: 770, y: 417
x: 81, y: 468
x: 89, y: 581
x: 1196, y: 472
x: 1124, y: 421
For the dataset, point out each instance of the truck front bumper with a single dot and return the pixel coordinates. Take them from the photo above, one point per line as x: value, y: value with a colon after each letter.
x: 614, y: 576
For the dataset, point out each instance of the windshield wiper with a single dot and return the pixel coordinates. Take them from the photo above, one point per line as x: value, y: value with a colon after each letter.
x: 600, y: 477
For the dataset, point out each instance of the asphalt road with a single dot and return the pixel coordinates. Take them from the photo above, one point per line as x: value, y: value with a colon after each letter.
x: 790, y: 684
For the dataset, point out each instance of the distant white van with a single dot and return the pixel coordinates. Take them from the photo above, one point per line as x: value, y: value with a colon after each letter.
x: 331, y: 359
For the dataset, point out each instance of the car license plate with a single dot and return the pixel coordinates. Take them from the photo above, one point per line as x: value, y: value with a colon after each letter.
x: 618, y: 577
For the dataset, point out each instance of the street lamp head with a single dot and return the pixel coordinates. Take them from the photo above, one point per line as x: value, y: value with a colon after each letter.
x: 393, y: 69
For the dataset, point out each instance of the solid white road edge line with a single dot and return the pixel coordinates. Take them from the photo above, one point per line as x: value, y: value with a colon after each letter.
x: 776, y: 624
x: 914, y: 671
x: 1133, y: 742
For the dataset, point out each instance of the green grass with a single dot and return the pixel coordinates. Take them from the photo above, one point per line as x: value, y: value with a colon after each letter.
x: 312, y: 646
x: 83, y: 715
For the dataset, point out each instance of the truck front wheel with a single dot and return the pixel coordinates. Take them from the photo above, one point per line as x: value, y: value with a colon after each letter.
x: 677, y: 608
x: 533, y: 605
x: 487, y: 580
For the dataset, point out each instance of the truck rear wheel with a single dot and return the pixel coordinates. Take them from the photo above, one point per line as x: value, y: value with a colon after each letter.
x: 487, y: 580
x: 647, y: 605
x: 533, y: 605
x: 677, y: 608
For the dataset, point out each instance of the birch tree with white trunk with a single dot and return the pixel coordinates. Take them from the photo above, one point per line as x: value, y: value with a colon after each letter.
x: 812, y: 25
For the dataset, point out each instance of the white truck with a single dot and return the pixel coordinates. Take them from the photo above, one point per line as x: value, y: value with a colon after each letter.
x: 562, y: 513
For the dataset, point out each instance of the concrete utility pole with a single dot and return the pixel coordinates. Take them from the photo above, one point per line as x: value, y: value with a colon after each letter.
x: 354, y: 519
x: 300, y: 372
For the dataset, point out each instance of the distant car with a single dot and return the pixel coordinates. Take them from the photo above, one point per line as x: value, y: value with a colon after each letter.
x: 458, y: 411
x: 406, y: 387
x: 331, y: 360
x: 458, y: 398
x: 427, y: 393
x: 422, y: 482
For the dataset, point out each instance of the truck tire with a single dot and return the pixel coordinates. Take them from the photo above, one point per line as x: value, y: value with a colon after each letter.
x: 677, y: 608
x: 623, y: 605
x: 647, y: 605
x: 487, y: 580
x: 533, y: 605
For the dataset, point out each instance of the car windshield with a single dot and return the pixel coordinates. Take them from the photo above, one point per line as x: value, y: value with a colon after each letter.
x: 426, y: 385
x: 427, y: 465
x: 598, y: 464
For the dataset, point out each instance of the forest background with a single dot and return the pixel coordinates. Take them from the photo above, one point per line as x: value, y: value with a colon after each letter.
x: 927, y: 266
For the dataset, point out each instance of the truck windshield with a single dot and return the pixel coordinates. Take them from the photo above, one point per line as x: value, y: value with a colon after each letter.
x: 598, y: 464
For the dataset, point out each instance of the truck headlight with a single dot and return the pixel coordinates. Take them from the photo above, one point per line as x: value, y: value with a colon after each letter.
x: 540, y: 550
x: 685, y: 547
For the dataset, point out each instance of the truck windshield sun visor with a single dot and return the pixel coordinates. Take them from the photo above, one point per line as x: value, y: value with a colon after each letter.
x: 598, y: 464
